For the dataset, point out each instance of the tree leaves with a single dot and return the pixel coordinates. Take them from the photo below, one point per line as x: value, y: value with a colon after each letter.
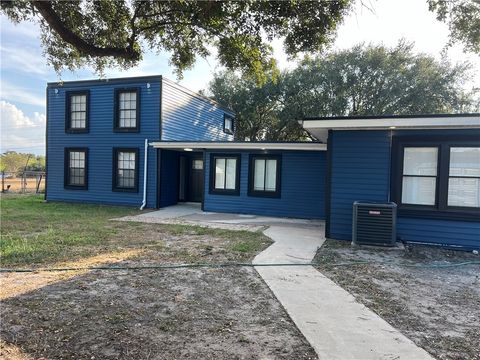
x: 364, y: 80
x: 463, y: 19
x: 102, y: 33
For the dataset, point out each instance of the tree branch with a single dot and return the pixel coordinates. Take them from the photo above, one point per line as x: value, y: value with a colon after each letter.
x: 51, y: 17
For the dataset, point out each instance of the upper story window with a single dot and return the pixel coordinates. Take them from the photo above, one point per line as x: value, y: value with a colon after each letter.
x: 228, y: 124
x: 439, y: 179
x: 127, y: 110
x: 77, y: 111
x: 225, y: 174
x: 264, y: 175
x: 76, y: 165
x: 125, y: 169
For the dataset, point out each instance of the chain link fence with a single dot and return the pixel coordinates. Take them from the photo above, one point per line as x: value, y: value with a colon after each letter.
x: 23, y: 182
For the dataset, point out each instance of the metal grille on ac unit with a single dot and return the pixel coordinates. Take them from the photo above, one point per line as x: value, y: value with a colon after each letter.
x: 374, y: 223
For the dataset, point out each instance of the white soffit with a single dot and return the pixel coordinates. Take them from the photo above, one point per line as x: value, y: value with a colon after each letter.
x: 181, y: 145
x: 319, y: 128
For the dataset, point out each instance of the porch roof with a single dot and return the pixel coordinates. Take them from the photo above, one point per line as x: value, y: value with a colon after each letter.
x: 238, y: 145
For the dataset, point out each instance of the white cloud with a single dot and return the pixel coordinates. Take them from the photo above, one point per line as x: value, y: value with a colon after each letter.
x: 13, y: 93
x: 21, y: 59
x: 20, y: 132
x: 26, y: 29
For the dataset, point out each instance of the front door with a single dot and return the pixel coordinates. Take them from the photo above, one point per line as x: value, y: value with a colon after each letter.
x: 195, y: 191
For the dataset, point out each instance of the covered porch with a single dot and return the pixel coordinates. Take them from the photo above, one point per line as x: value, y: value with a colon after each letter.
x: 279, y: 179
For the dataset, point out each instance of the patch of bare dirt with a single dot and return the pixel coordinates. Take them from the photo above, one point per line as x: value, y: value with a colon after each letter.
x: 11, y: 352
x: 438, y: 308
x: 186, y: 221
x: 153, y: 314
x: 14, y: 284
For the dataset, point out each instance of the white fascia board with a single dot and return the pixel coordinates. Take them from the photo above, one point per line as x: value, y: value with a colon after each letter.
x: 456, y: 122
x: 181, y: 145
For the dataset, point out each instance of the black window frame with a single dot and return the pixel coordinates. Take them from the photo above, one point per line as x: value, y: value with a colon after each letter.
x: 66, y: 166
x: 116, y: 121
x: 68, y: 113
x: 441, y: 209
x: 225, y: 130
x: 251, y: 175
x: 117, y: 150
x: 213, y: 158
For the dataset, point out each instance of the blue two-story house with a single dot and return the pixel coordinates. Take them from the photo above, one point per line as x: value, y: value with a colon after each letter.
x: 149, y: 142
x: 96, y: 132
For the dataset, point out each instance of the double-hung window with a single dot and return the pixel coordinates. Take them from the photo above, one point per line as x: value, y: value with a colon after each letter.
x: 419, y: 180
x: 125, y: 169
x: 464, y: 177
x: 264, y: 179
x: 225, y: 174
x: 127, y: 110
x: 76, y: 119
x: 438, y: 178
x: 76, y: 168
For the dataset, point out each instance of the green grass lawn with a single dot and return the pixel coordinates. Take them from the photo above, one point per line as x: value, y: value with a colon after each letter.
x: 34, y: 232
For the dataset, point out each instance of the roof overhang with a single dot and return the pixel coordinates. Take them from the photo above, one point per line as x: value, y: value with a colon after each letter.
x: 319, y: 127
x: 232, y: 145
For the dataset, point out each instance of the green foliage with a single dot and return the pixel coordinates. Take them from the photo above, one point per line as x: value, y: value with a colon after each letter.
x: 11, y: 161
x: 105, y: 33
x: 463, y: 19
x: 364, y: 80
x: 376, y: 80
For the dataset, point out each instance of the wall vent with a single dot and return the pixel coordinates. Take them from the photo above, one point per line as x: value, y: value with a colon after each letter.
x: 374, y: 223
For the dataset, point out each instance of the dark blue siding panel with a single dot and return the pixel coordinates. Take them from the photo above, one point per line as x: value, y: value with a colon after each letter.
x: 360, y: 171
x: 453, y: 233
x: 100, y: 140
x: 302, y: 193
x: 188, y: 117
x: 169, y: 177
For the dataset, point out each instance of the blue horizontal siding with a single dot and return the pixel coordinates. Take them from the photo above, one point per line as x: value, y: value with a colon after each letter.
x: 302, y: 189
x: 100, y: 140
x: 463, y: 234
x: 360, y: 170
x: 187, y: 117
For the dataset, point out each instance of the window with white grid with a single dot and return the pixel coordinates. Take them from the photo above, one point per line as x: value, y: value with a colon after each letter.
x: 127, y: 109
x: 76, y: 168
x: 126, y: 169
x: 77, y: 111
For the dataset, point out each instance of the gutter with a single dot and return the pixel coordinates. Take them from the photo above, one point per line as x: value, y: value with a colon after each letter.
x: 145, y: 162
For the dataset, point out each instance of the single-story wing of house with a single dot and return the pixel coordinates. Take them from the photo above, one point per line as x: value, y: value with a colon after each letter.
x: 148, y: 142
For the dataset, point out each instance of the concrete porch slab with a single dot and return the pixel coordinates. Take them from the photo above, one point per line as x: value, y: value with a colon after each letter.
x: 191, y: 213
x: 171, y: 212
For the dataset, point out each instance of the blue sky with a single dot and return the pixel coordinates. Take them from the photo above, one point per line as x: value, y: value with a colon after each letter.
x: 24, y: 72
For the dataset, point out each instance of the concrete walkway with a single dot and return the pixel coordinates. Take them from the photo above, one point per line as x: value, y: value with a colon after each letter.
x: 335, y: 324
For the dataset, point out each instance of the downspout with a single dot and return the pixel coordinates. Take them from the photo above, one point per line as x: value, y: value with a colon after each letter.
x: 390, y: 169
x: 145, y: 162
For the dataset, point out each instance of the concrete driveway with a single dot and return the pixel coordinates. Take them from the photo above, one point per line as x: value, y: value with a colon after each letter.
x: 336, y: 325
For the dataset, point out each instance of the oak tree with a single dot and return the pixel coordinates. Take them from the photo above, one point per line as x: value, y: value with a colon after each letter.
x: 363, y: 80
x: 103, y: 33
